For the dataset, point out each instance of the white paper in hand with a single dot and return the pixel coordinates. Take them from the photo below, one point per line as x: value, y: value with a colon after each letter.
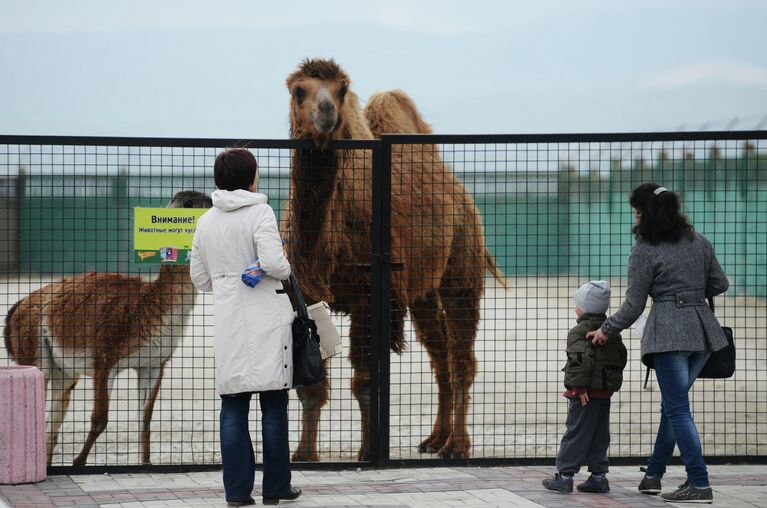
x: 330, y: 339
x: 638, y: 325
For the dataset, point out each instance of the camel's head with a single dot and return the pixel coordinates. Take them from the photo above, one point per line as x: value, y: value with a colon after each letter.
x: 189, y: 199
x: 317, y: 92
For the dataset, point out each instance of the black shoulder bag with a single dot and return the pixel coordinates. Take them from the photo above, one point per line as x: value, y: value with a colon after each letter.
x: 308, y: 368
x: 720, y: 365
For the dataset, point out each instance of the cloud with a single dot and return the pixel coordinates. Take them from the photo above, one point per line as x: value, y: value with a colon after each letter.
x: 715, y: 71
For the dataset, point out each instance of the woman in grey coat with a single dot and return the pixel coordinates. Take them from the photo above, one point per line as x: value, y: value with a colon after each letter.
x: 677, y: 268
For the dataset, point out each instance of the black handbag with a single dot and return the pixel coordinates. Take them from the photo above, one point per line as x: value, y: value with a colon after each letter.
x: 720, y: 365
x: 308, y: 368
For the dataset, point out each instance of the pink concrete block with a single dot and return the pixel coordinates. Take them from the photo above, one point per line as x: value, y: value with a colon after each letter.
x: 22, y: 425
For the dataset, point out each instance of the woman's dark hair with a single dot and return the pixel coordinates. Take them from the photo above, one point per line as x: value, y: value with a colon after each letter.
x: 235, y: 168
x: 661, y: 219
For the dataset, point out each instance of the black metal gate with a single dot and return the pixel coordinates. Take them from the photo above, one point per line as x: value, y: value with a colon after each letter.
x: 553, y: 212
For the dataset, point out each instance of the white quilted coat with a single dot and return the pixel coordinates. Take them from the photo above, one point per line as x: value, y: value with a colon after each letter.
x: 252, y: 338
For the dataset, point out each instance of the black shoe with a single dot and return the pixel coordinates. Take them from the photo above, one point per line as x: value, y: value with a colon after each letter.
x: 595, y: 484
x: 686, y: 493
x: 559, y: 484
x: 246, y: 502
x: 650, y: 485
x: 292, y: 495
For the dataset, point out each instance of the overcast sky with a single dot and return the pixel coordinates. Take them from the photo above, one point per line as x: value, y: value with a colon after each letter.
x: 203, y: 68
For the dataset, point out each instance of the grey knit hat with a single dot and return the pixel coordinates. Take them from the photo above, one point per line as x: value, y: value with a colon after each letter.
x: 593, y: 297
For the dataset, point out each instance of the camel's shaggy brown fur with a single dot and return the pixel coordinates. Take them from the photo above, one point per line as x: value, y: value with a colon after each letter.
x: 394, y: 112
x: 436, y: 232
x: 98, y: 324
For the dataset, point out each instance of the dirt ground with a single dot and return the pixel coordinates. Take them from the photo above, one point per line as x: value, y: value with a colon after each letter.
x: 516, y: 410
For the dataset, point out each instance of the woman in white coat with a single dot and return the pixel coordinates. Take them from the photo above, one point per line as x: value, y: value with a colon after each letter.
x: 252, y: 335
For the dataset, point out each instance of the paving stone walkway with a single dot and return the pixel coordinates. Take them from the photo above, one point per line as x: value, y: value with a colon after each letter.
x: 734, y: 486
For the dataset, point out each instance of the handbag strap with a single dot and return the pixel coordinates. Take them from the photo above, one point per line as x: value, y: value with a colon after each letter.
x: 300, y: 303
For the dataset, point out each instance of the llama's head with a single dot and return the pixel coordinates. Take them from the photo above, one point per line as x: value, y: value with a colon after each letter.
x: 318, y: 89
x: 189, y: 199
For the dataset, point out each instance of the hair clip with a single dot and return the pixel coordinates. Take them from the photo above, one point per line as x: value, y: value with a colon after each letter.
x: 659, y: 191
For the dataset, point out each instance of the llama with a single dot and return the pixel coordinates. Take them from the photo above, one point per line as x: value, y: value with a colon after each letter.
x: 99, y: 324
x: 436, y: 231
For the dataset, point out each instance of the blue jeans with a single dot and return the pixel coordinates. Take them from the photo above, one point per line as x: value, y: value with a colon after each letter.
x: 237, y: 449
x: 676, y: 372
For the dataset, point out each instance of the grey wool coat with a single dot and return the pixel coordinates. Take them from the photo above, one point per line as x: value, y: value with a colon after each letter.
x: 679, y: 276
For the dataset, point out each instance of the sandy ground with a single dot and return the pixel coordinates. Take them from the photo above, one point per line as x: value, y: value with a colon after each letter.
x: 517, y: 409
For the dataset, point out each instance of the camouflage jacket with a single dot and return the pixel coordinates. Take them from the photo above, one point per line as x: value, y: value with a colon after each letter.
x: 593, y: 367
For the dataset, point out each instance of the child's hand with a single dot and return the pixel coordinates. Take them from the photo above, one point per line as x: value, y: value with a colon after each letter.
x: 584, y: 398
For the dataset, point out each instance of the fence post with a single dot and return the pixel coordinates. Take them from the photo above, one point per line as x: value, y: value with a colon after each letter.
x: 22, y: 424
x: 122, y: 236
x: 380, y: 304
x: 22, y: 254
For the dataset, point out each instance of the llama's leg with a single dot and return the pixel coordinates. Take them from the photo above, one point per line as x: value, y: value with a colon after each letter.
x: 359, y: 356
x: 59, y: 393
x: 461, y: 304
x: 102, y: 387
x: 312, y: 399
x: 148, y: 387
x: 429, y: 321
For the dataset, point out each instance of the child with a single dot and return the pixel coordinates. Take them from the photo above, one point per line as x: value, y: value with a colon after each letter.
x: 592, y: 374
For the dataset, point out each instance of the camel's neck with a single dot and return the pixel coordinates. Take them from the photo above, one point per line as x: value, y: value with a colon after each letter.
x: 324, y: 187
x: 354, y: 124
x: 314, y: 180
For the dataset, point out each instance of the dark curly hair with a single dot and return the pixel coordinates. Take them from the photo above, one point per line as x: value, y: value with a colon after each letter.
x: 661, y: 218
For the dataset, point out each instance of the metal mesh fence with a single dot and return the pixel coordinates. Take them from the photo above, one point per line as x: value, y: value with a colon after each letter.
x: 550, y: 212
x: 555, y: 215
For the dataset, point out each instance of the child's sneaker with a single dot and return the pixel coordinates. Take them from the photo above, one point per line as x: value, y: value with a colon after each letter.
x: 650, y: 485
x: 596, y: 484
x: 559, y: 483
x: 686, y: 493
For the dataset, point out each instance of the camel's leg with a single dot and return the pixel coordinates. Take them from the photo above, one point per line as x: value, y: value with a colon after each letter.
x: 60, y: 392
x: 359, y: 356
x: 429, y: 321
x: 312, y: 398
x: 102, y: 387
x: 461, y: 304
x: 148, y: 382
x: 397, y: 324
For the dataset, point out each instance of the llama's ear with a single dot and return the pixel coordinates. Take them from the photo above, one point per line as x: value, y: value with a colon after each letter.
x: 342, y: 89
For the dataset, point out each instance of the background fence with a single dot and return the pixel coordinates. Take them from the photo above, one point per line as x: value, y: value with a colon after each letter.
x: 555, y: 213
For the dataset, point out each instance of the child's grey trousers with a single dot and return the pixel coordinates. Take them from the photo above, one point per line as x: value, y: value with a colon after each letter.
x: 586, y: 438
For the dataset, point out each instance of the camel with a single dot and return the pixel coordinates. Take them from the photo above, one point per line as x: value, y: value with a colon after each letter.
x: 99, y: 324
x: 436, y: 232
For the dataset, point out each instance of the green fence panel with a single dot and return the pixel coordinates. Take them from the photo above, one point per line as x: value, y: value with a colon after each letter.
x: 600, y: 235
x: 71, y: 235
x: 527, y: 235
x: 71, y: 224
x: 755, y: 253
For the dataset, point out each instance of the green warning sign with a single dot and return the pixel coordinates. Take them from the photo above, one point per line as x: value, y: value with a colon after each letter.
x: 164, y: 235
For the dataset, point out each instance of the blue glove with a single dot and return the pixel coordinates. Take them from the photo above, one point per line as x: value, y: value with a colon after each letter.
x: 253, y: 274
